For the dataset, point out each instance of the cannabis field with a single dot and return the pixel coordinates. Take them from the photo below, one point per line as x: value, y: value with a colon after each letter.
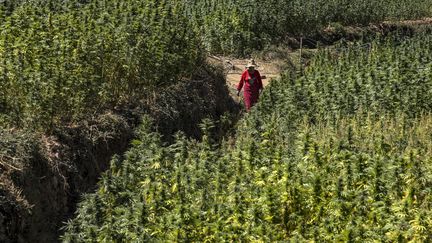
x: 338, y: 151
x: 341, y: 153
x: 61, y: 62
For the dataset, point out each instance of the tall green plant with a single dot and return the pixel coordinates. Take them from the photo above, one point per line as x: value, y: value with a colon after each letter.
x: 304, y: 167
x: 62, y: 64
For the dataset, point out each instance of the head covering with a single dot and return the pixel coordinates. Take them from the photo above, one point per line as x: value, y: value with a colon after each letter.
x: 251, y: 63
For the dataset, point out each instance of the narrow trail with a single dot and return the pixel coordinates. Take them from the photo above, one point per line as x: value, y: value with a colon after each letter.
x: 271, y: 68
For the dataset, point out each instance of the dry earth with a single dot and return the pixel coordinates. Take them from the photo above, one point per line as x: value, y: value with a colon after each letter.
x: 271, y: 68
x: 234, y: 68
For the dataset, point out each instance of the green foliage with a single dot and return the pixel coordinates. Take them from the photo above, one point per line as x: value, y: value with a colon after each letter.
x: 241, y: 26
x: 323, y: 161
x: 304, y: 167
x: 387, y: 77
x: 61, y: 62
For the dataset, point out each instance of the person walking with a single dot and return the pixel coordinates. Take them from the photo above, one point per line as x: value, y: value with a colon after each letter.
x: 252, y: 83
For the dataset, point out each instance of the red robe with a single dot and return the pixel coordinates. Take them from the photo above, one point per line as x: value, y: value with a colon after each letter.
x: 252, y: 85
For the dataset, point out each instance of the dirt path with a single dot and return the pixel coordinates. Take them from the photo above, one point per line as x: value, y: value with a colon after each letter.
x: 269, y: 69
x: 234, y: 68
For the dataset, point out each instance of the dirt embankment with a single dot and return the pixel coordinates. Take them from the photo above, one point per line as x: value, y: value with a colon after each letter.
x: 50, y: 173
x: 43, y: 177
